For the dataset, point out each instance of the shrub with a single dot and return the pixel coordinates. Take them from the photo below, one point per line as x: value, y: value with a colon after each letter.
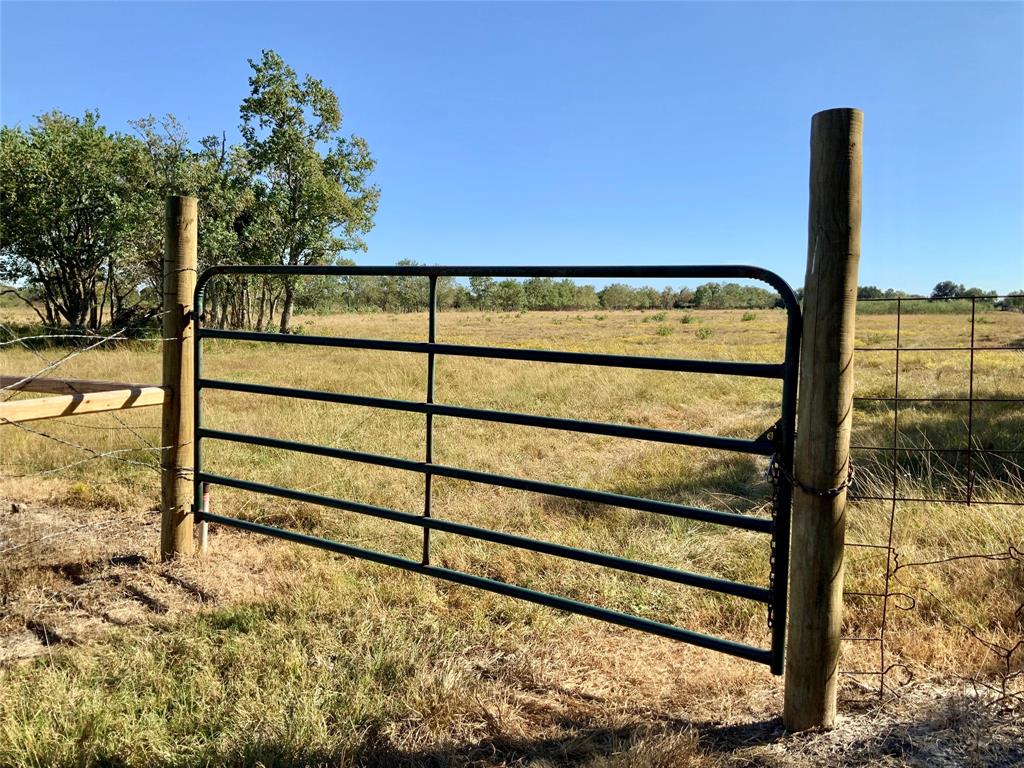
x: 748, y: 316
x: 704, y: 333
x: 664, y: 330
x: 687, y: 319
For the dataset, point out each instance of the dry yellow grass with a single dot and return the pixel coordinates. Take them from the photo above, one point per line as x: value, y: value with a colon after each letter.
x: 283, y: 654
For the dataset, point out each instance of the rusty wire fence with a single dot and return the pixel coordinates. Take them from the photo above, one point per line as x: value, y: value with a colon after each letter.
x: 935, y: 568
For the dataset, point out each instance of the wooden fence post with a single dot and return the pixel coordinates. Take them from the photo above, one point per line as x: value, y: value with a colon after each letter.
x: 824, y: 411
x: 179, y: 273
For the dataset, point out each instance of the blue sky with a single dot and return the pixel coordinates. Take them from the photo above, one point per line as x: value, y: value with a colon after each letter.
x: 598, y: 133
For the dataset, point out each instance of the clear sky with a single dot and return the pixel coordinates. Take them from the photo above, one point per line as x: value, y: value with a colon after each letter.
x: 598, y: 133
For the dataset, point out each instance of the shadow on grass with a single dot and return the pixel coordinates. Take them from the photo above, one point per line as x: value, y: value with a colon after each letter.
x: 580, y: 741
x: 732, y: 483
x: 933, y: 439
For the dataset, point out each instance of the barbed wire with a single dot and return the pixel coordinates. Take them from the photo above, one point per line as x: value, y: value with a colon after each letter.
x: 73, y: 464
x: 50, y: 365
x: 18, y: 385
x: 54, y: 364
x: 62, y: 532
x: 94, y: 453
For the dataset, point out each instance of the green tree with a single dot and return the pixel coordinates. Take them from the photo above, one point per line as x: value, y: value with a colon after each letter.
x: 413, y: 293
x: 313, y: 198
x: 684, y: 298
x: 947, y: 289
x: 647, y: 298
x: 67, y: 197
x: 616, y: 296
x: 453, y: 295
x: 980, y: 293
x: 482, y: 289
x: 708, y: 296
x: 541, y: 293
x: 218, y: 176
x: 1014, y: 300
x: 585, y: 297
x: 509, y: 295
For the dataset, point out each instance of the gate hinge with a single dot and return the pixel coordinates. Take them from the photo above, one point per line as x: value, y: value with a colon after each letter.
x: 772, y: 435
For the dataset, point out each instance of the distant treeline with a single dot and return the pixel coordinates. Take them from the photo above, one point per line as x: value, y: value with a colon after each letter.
x: 946, y: 298
x: 323, y: 295
x: 411, y: 294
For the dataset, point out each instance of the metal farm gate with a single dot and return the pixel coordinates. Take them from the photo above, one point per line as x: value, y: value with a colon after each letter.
x: 776, y: 442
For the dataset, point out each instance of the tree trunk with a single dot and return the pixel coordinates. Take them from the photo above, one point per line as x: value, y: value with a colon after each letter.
x: 261, y: 318
x: 286, y: 305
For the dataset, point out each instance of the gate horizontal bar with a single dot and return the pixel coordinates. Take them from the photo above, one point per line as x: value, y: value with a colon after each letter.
x: 724, y: 586
x: 724, y: 367
x: 699, y: 639
x: 781, y: 442
x: 693, y: 271
x: 737, y: 444
x: 731, y: 519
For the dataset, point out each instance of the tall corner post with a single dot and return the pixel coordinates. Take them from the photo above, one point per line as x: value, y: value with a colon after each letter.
x: 824, y: 414
x: 179, y: 282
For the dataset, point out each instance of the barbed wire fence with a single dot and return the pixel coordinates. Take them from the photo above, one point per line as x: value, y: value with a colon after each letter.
x: 979, y: 474
x: 68, y: 347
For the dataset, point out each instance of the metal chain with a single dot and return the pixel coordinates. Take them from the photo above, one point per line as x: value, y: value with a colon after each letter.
x: 774, y: 474
x: 771, y: 474
x: 776, y: 470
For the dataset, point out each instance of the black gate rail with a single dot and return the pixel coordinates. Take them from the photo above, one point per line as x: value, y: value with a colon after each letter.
x: 779, y: 445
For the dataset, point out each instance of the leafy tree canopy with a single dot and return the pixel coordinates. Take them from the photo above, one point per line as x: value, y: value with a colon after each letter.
x: 313, y: 198
x: 69, y: 195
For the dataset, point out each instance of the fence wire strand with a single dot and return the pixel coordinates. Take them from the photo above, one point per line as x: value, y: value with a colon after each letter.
x: 50, y: 365
x: 901, y: 592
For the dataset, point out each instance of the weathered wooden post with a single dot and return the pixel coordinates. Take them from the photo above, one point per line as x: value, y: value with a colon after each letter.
x: 179, y: 273
x: 824, y: 411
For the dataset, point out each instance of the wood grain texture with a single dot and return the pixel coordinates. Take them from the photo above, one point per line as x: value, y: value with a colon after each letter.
x: 129, y: 396
x: 63, y: 386
x: 824, y: 411
x: 179, y: 273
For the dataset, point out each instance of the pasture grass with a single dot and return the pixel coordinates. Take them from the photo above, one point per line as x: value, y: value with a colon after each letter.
x: 298, y: 657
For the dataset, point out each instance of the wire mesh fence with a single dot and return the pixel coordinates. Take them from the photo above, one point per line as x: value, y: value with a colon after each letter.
x: 935, y: 526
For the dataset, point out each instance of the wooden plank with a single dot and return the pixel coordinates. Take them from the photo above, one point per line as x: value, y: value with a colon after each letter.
x: 824, y: 411
x: 17, y: 411
x: 62, y: 386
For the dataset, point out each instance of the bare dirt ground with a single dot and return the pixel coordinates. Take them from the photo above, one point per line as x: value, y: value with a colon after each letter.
x: 72, y: 576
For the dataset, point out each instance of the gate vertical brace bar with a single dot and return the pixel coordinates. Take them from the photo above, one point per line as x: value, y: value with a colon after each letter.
x: 431, y: 337
x: 970, y: 409
x: 786, y: 440
x: 197, y: 376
